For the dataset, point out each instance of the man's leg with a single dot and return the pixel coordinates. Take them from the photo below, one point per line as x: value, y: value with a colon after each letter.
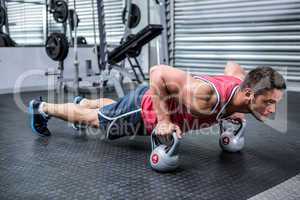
x: 40, y: 112
x: 72, y: 113
x: 91, y: 104
x: 126, y: 112
x: 95, y: 103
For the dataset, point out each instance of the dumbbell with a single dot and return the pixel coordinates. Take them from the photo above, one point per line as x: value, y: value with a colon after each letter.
x: 232, y: 140
x: 164, y: 158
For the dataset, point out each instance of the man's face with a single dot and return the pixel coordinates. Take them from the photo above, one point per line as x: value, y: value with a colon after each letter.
x: 264, y: 105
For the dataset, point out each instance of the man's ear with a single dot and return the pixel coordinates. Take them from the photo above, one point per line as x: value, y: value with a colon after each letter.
x: 249, y: 93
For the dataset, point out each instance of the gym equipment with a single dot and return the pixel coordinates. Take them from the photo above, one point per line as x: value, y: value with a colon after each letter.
x: 134, y: 15
x: 6, y: 41
x: 3, y: 42
x: 59, y: 9
x: 3, y: 16
x: 57, y: 46
x: 102, y: 52
x: 88, y: 68
x: 106, y: 61
x: 80, y: 40
x: 134, y: 52
x: 232, y: 140
x: 163, y: 45
x: 132, y: 46
x: 72, y: 17
x: 164, y: 158
x: 4, y: 25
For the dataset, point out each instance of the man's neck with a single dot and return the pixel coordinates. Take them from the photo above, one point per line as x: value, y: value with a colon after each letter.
x: 236, y: 104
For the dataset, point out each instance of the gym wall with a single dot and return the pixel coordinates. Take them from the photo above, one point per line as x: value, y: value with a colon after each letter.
x: 208, y: 33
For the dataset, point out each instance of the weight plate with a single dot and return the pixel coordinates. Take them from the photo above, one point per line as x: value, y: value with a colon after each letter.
x: 60, y: 13
x: 135, y: 16
x: 2, y: 16
x: 57, y: 46
x: 65, y: 49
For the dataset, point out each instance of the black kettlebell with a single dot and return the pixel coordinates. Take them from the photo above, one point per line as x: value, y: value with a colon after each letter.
x: 164, y: 158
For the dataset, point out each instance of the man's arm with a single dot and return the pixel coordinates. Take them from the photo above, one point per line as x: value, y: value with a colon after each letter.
x: 234, y: 69
x: 166, y: 82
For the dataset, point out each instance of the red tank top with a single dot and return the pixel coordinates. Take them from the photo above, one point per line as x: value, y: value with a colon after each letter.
x: 225, y: 86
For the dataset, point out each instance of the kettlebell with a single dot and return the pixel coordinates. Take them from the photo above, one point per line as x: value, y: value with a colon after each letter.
x: 232, y: 140
x: 164, y: 158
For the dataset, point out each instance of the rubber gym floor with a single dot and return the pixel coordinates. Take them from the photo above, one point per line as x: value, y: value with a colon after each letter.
x: 69, y: 165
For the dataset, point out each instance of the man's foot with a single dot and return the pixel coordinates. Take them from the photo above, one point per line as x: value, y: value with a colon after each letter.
x: 77, y: 101
x: 38, y: 120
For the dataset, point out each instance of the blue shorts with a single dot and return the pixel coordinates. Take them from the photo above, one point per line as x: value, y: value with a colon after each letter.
x: 123, y: 118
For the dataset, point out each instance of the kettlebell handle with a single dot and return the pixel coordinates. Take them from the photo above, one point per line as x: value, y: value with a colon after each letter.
x: 240, y: 131
x: 154, y: 142
x: 154, y: 139
x: 174, y: 144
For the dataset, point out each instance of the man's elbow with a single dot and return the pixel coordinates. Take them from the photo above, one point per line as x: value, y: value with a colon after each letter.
x: 156, y: 75
x: 234, y: 69
x: 158, y: 71
x: 159, y: 68
x: 154, y: 72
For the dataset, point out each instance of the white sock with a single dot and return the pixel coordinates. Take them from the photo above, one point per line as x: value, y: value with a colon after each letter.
x: 41, y: 110
x: 82, y: 101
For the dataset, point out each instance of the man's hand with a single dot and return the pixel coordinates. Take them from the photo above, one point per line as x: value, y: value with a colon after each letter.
x: 237, y: 118
x: 166, y: 129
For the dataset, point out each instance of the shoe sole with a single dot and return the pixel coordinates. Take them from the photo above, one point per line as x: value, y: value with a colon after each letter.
x: 30, y: 110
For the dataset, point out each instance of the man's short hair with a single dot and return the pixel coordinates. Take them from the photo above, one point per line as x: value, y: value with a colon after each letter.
x: 263, y: 79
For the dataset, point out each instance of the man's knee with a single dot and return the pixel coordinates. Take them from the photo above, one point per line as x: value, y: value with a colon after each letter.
x: 106, y: 101
x: 94, y: 123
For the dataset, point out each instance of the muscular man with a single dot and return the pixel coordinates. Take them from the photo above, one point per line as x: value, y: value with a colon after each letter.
x: 175, y: 101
